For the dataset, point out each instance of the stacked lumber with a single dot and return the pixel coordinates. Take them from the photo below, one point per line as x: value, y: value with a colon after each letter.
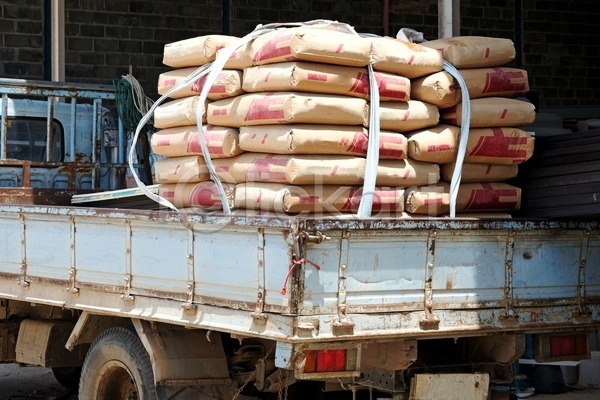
x: 562, y: 179
x: 287, y: 124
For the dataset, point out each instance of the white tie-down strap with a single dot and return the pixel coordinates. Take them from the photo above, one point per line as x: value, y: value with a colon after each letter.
x: 464, y: 135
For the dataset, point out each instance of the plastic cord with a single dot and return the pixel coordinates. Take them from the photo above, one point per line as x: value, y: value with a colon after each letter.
x: 464, y: 135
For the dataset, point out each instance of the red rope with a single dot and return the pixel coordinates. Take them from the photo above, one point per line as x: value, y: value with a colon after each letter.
x: 295, y: 263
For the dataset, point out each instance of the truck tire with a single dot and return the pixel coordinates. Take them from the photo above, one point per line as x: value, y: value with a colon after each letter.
x: 117, y: 367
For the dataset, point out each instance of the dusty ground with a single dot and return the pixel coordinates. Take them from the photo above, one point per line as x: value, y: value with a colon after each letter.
x: 28, y: 382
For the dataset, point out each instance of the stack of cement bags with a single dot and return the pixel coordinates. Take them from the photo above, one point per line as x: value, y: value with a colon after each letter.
x: 287, y: 124
x: 496, y: 145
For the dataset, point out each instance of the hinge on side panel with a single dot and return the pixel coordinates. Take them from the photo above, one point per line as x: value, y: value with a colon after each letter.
x: 342, y: 321
x: 189, y: 306
x: 430, y: 321
x: 508, y: 316
x: 72, y: 289
x: 260, y: 318
x: 23, y: 278
x: 127, y: 295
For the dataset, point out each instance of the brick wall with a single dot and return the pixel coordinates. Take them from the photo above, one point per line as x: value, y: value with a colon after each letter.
x: 107, y: 38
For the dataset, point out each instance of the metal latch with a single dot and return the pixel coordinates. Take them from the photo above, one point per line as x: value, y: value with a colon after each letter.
x: 189, y: 306
x: 127, y: 295
x: 430, y: 321
x: 343, y: 321
x: 259, y: 317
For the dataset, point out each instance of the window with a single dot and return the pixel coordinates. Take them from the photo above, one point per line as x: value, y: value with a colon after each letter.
x: 26, y: 140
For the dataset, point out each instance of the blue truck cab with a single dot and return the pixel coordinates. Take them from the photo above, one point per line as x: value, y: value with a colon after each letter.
x: 58, y: 140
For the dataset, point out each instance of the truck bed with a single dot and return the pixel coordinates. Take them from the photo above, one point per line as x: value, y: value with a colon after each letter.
x: 348, y: 279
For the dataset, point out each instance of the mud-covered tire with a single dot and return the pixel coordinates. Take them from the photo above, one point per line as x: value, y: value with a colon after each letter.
x: 117, y: 367
x: 67, y: 376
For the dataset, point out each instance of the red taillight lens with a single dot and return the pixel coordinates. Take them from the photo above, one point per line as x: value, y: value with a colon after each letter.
x: 310, y: 365
x: 568, y: 345
x: 330, y: 360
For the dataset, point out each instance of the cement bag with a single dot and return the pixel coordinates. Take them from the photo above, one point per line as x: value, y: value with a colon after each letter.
x: 195, y: 52
x: 406, y: 116
x: 203, y: 194
x: 444, y: 91
x: 344, y: 199
x: 297, y: 169
x: 321, y: 45
x: 319, y: 139
x: 491, y: 112
x: 440, y: 89
x: 405, y: 173
x: 432, y: 200
x: 404, y: 58
x: 323, y: 78
x: 437, y: 144
x: 480, y: 172
x: 180, y: 112
x: 471, y: 197
x: 286, y: 108
x: 495, y: 82
x: 498, y: 146
x: 474, y: 51
x: 227, y: 84
x: 240, y: 58
x: 221, y: 141
x: 180, y: 170
x: 314, y: 199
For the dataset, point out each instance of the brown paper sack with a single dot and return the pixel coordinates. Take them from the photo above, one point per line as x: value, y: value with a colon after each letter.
x: 320, y: 45
x: 324, y: 78
x: 221, y: 141
x: 499, y: 146
x: 444, y: 91
x: 432, y: 200
x: 319, y: 139
x: 405, y: 173
x: 228, y: 84
x: 203, y: 194
x: 406, y: 116
x: 180, y: 112
x: 260, y: 196
x: 495, y: 82
x: 491, y: 112
x: 440, y: 89
x: 437, y: 144
x: 180, y: 170
x: 286, y: 108
x: 496, y: 196
x: 195, y: 52
x: 297, y: 169
x: 472, y: 197
x: 403, y: 58
x: 277, y: 197
x: 474, y: 51
x: 344, y: 199
x: 480, y: 172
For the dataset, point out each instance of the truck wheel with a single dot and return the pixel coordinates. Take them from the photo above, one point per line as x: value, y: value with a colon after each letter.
x: 117, y: 367
x: 67, y: 376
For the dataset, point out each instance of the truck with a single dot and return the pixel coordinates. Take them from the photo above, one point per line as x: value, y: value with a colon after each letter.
x: 125, y: 300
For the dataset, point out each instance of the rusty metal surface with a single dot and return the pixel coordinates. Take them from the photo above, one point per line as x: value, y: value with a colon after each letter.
x: 153, y: 263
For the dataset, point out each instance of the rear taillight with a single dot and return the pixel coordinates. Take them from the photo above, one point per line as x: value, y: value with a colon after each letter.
x: 561, y: 347
x: 335, y: 360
